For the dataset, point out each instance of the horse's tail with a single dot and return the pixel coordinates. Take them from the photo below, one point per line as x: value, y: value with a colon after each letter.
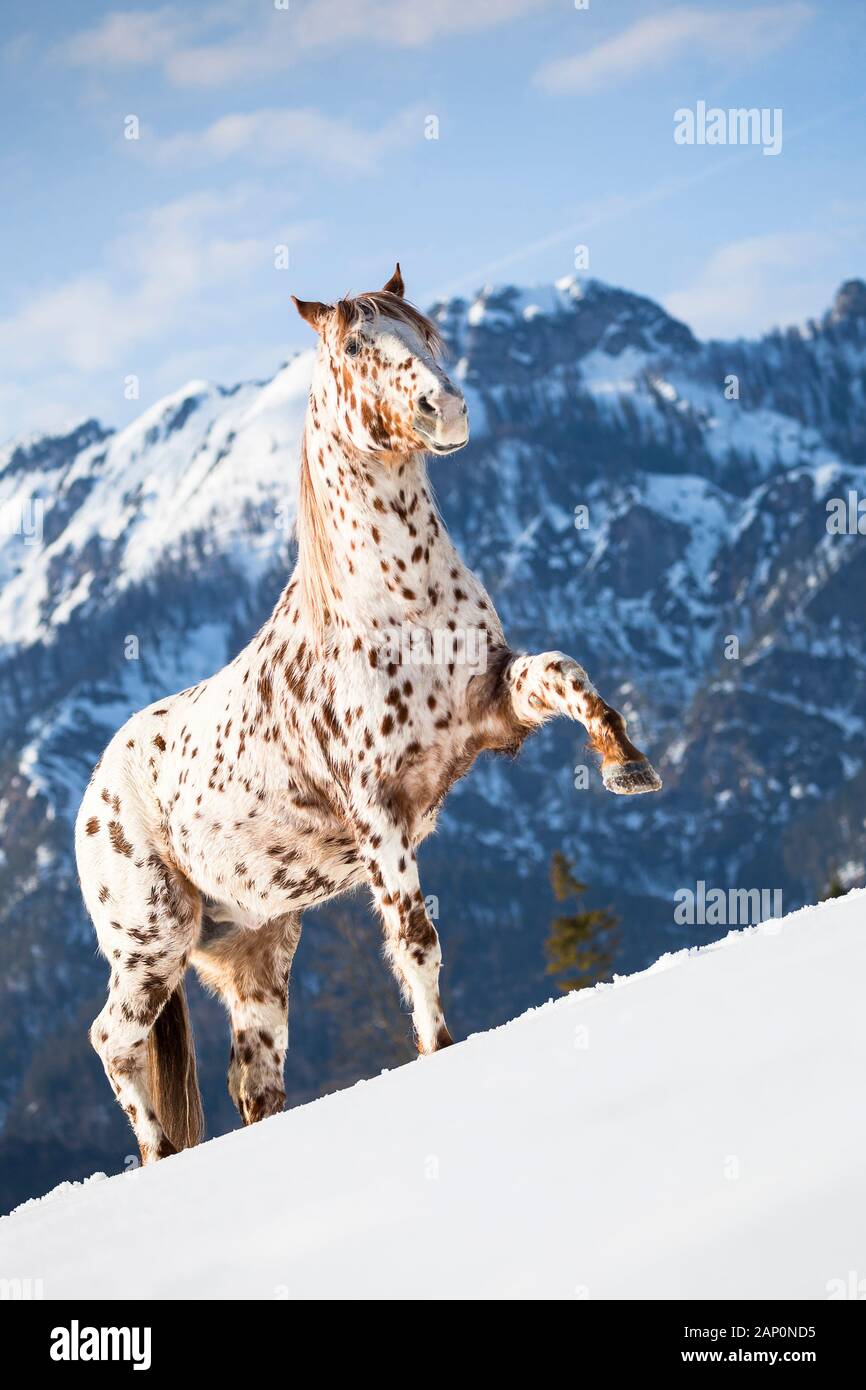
x: 172, y: 1073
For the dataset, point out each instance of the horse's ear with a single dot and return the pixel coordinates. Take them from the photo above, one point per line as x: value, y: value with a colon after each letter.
x: 395, y: 284
x: 313, y: 312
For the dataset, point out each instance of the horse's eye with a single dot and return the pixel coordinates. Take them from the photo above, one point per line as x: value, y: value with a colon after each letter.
x: 353, y: 347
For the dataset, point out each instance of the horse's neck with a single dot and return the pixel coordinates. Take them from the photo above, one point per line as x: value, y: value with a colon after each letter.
x: 387, y: 548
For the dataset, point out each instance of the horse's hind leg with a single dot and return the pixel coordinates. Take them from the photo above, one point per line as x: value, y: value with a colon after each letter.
x: 249, y: 968
x: 147, y: 917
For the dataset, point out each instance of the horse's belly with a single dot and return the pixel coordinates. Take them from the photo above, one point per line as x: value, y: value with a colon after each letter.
x: 266, y: 867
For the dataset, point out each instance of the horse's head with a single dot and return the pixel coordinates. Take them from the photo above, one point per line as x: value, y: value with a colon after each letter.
x: 378, y: 376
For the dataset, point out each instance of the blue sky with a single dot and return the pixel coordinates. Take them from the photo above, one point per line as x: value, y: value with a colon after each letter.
x: 306, y: 127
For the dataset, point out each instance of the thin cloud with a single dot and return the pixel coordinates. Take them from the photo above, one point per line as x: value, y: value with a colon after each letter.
x: 166, y: 266
x: 217, y: 44
x: 132, y: 38
x: 267, y: 137
x: 661, y: 39
x: 755, y: 283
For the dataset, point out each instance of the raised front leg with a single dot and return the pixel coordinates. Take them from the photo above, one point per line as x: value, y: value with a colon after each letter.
x: 552, y: 683
x: 411, y: 941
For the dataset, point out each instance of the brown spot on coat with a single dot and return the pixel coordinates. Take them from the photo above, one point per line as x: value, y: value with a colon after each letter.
x: 119, y: 842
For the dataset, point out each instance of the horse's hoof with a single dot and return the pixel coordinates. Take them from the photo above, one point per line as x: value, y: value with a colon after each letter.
x: 631, y: 779
x: 443, y: 1039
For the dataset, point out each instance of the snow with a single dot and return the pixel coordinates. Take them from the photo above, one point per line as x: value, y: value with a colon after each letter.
x: 193, y: 463
x: 510, y: 302
x: 692, y: 1131
x: 604, y: 375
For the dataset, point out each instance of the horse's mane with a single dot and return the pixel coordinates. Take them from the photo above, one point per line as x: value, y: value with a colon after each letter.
x: 319, y: 591
x: 364, y: 308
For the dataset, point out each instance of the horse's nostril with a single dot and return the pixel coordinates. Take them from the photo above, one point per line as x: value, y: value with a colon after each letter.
x: 425, y: 406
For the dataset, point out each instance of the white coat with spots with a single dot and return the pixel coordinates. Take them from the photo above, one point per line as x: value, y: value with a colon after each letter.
x: 317, y: 760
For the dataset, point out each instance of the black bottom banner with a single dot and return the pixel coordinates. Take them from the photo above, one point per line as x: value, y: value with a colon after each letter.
x: 84, y: 1339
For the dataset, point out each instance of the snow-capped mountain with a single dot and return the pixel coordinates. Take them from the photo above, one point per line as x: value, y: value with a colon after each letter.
x: 655, y: 506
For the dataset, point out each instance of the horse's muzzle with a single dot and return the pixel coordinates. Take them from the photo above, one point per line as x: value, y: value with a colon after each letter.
x: 442, y: 421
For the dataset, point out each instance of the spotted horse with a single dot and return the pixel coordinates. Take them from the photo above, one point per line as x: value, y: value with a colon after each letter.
x: 316, y: 761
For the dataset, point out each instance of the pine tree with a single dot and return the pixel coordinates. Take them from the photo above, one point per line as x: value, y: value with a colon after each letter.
x: 835, y: 887
x: 580, y: 948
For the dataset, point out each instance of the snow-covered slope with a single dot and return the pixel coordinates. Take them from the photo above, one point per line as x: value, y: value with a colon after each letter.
x: 694, y: 1131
